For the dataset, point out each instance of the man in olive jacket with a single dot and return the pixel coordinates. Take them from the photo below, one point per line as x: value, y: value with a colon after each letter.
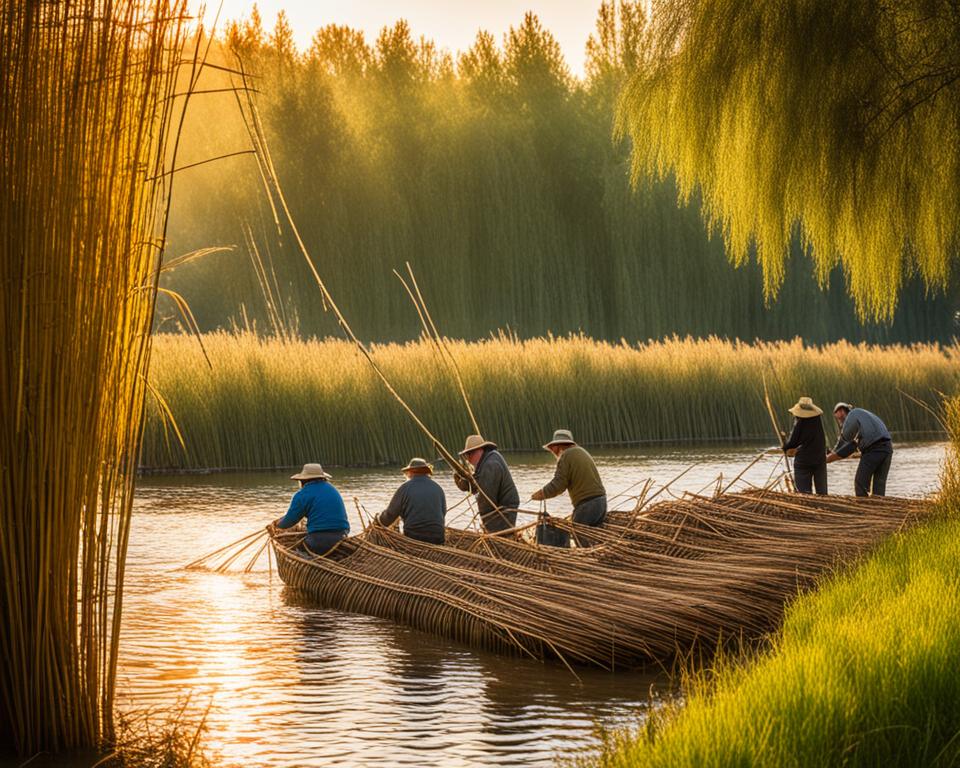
x: 577, y: 474
x: 497, y: 496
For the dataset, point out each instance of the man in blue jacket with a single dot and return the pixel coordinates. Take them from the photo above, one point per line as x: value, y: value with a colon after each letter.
x: 322, y: 505
x: 862, y: 430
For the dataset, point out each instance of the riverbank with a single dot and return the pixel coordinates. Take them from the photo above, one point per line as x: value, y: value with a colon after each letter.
x: 269, y: 403
x: 864, y: 671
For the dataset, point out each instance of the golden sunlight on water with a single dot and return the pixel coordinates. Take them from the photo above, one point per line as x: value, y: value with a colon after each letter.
x: 290, y: 684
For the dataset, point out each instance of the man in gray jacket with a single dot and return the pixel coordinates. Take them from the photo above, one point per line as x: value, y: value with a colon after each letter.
x: 497, y: 496
x: 864, y: 431
x: 420, y: 503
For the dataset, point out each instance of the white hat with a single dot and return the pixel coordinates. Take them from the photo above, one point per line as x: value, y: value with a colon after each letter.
x: 310, y: 472
x: 474, y: 442
x: 842, y: 404
x: 805, y: 408
x: 561, y: 437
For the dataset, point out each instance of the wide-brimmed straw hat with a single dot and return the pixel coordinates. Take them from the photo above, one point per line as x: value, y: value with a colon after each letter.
x: 310, y: 472
x: 842, y: 404
x: 561, y: 437
x: 805, y: 408
x: 418, y: 465
x: 473, y: 442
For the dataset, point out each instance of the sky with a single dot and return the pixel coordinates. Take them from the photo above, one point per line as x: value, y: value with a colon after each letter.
x: 452, y: 24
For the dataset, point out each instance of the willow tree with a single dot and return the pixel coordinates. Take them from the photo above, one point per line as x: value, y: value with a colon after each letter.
x: 833, y: 122
x: 87, y: 106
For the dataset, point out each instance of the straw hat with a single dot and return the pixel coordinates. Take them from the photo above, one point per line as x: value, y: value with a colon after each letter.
x: 805, y: 408
x: 310, y: 472
x: 561, y: 437
x: 418, y: 465
x: 474, y: 442
x: 842, y: 404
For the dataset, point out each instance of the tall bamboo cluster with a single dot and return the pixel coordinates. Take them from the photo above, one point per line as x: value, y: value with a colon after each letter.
x: 87, y: 103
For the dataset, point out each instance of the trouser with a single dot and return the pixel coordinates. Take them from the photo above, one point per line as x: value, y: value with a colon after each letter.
x: 321, y: 542
x: 428, y: 537
x: 806, y: 477
x: 501, y: 520
x: 589, y: 512
x: 873, y: 468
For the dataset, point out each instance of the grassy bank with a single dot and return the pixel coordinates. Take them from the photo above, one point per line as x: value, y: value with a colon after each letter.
x: 264, y: 402
x: 865, y: 672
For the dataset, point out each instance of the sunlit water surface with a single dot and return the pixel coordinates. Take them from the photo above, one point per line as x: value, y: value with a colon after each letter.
x: 291, y: 684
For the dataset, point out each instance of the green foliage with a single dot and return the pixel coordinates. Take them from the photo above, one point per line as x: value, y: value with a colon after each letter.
x: 495, y: 176
x: 837, y: 121
x: 268, y: 403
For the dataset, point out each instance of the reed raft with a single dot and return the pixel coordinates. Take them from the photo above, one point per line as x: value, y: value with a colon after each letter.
x: 658, y: 581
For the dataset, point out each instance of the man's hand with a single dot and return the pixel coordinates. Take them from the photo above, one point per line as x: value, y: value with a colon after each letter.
x: 832, y: 457
x: 791, y: 451
x: 537, y: 495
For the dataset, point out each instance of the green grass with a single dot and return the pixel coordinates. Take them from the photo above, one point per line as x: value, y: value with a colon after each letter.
x: 865, y: 672
x: 268, y: 403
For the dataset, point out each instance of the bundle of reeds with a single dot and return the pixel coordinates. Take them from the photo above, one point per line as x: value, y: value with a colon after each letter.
x: 87, y: 111
x: 658, y: 581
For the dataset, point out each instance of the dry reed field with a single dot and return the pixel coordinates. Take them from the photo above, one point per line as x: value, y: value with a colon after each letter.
x: 267, y: 402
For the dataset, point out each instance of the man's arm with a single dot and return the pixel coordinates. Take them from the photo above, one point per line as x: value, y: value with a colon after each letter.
x: 394, y: 508
x: 295, y: 512
x: 556, y: 486
x: 793, y: 442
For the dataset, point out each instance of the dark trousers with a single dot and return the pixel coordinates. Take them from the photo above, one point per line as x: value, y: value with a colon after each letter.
x: 589, y: 512
x: 321, y: 542
x: 428, y: 537
x: 501, y: 520
x: 806, y: 477
x: 873, y: 468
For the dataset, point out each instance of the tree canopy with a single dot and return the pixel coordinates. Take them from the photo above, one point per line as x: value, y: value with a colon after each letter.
x: 837, y: 122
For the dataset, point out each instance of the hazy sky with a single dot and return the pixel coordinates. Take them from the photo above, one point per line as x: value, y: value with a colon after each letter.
x: 453, y: 24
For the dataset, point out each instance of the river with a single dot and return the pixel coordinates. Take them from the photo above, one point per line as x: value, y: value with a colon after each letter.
x: 286, y: 683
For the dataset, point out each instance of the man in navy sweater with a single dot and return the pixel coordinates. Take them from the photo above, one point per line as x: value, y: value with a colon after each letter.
x: 322, y: 505
x: 863, y: 431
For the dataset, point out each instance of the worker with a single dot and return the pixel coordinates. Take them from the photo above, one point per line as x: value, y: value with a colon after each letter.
x: 320, y: 502
x: 864, y: 431
x: 577, y: 474
x: 808, y: 446
x: 420, y: 503
x: 497, y: 496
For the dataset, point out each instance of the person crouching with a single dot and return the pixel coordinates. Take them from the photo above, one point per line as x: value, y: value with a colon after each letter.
x: 420, y: 503
x: 320, y: 502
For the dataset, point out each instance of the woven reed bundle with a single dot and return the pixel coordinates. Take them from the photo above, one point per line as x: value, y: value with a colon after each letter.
x: 659, y: 581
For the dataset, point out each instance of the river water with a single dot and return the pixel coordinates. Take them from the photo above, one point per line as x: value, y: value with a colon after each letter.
x: 286, y: 683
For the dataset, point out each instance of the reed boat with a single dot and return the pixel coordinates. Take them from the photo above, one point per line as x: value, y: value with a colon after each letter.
x: 659, y: 581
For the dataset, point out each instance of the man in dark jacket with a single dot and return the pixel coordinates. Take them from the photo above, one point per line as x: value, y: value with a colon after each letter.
x: 862, y: 430
x: 497, y: 496
x: 808, y: 446
x: 420, y: 503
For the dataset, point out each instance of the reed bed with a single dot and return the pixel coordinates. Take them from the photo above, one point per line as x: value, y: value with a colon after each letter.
x: 275, y: 403
x: 87, y: 123
x: 659, y: 581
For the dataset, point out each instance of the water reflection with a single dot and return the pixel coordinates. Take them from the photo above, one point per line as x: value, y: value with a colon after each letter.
x: 288, y: 683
